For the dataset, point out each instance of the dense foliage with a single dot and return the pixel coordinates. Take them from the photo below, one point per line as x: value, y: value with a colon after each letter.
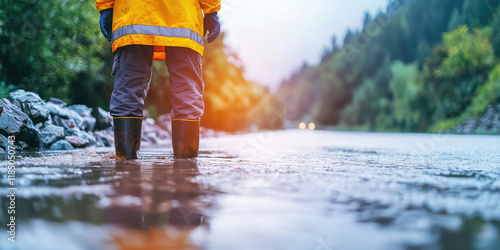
x: 414, y: 67
x: 55, y: 49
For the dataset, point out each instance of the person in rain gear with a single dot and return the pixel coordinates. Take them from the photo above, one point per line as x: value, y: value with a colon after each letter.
x: 145, y: 30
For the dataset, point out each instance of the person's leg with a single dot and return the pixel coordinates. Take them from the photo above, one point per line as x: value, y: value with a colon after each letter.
x: 186, y: 84
x: 132, y: 69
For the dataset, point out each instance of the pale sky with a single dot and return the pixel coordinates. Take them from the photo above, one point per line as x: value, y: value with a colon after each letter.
x: 274, y: 37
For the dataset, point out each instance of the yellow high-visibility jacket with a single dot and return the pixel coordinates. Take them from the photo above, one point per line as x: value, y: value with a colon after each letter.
x: 161, y: 23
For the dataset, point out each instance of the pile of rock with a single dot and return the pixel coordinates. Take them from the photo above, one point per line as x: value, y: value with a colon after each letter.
x: 54, y: 125
x: 153, y: 133
x: 488, y: 123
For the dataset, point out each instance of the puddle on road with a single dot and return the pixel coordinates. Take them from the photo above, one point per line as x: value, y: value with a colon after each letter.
x: 283, y: 190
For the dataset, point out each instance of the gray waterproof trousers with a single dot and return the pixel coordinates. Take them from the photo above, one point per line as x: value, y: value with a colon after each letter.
x: 132, y: 70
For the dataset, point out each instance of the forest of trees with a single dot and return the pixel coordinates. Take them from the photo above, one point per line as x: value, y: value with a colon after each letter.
x: 419, y: 66
x: 55, y: 48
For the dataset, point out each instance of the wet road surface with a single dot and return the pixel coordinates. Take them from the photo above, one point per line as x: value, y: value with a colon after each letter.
x: 288, y: 189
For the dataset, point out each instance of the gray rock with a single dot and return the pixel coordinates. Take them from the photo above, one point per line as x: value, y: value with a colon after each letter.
x: 81, y: 109
x: 152, y: 133
x: 153, y: 138
x: 468, y: 127
x: 37, y: 112
x: 496, y: 122
x: 490, y: 122
x: 105, y: 138
x: 163, y: 134
x: 58, y: 102
x: 57, y: 120
x: 149, y: 122
x: 51, y: 134
x: 13, y: 102
x: 55, y: 109
x: 82, y: 115
x: 148, y: 126
x: 165, y: 122
x: 104, y: 119
x: 64, y: 113
x: 77, y: 142
x: 89, y: 123
x: 90, y: 137
x: 4, y: 142
x: 67, y: 124
x: 487, y: 123
x: 40, y: 125
x: 21, y: 145
x: 75, y: 117
x: 31, y: 135
x: 5, y: 145
x: 71, y: 129
x: 31, y: 104
x: 13, y: 120
x: 61, y: 145
x: 50, y: 121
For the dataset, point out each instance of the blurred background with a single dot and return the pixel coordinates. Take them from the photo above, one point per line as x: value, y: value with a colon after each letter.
x: 379, y: 65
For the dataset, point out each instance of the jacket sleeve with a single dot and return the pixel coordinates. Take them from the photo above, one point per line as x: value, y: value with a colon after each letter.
x: 210, y: 6
x: 104, y: 4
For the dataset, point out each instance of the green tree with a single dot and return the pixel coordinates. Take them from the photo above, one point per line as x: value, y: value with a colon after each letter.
x: 495, y: 39
x: 399, y: 71
x: 409, y: 97
x: 488, y: 94
x: 462, y: 66
x: 46, y: 45
x: 466, y: 52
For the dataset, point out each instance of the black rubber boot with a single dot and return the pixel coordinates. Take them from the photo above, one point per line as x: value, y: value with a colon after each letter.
x: 185, y: 138
x: 127, y: 137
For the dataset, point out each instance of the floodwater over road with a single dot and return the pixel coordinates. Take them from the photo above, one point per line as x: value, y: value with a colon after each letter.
x: 288, y: 189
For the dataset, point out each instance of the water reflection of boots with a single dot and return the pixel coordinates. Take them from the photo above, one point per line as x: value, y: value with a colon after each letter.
x: 185, y: 138
x: 127, y: 137
x: 152, y: 205
x: 185, y: 215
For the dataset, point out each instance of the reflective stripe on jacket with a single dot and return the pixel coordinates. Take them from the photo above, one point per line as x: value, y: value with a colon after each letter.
x: 177, y: 23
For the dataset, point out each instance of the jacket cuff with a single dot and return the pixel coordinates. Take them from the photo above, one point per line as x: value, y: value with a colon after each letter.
x: 210, y: 9
x: 104, y: 6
